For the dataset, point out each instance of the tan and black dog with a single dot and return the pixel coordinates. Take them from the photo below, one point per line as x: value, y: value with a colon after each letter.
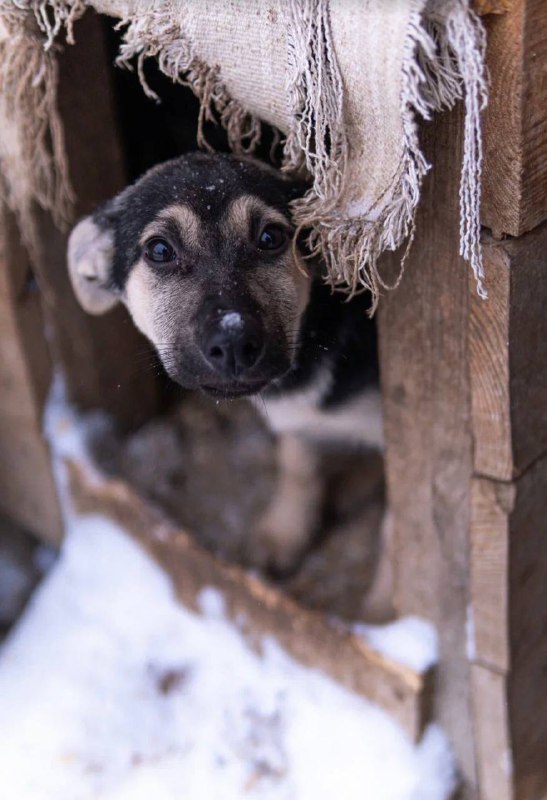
x: 200, y: 250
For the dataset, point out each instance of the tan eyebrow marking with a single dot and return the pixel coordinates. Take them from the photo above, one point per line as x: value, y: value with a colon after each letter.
x: 183, y: 217
x: 237, y: 218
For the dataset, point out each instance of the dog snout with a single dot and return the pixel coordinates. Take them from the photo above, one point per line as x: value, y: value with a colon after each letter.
x: 233, y: 344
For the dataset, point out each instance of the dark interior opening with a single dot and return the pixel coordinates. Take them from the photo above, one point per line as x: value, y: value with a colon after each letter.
x: 155, y: 131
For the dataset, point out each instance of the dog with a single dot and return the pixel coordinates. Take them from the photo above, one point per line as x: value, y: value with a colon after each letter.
x: 202, y: 252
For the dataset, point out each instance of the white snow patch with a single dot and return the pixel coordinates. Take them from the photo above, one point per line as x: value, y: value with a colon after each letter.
x: 110, y: 690
x: 231, y: 321
x: 410, y: 640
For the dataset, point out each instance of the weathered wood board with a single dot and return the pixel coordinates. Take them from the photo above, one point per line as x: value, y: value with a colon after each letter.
x: 100, y: 356
x: 27, y: 489
x: 515, y: 121
x: 508, y: 354
x: 491, y: 732
x: 259, y: 609
x: 509, y: 646
x: 425, y: 385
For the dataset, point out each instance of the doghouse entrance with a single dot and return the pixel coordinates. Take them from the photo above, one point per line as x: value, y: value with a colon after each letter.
x: 208, y: 469
x: 209, y: 465
x: 463, y: 386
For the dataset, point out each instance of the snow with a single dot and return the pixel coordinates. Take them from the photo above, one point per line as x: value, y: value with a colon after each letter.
x: 410, y: 640
x: 111, y: 690
x: 231, y: 321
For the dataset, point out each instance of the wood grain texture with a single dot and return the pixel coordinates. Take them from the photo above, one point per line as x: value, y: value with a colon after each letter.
x: 491, y: 504
x: 489, y: 367
x: 527, y: 679
x: 259, y: 609
x: 99, y: 355
x: 483, y: 7
x: 27, y: 488
x: 508, y: 353
x: 515, y: 121
x: 509, y: 609
x: 425, y: 384
x: 528, y: 346
x: 492, y: 734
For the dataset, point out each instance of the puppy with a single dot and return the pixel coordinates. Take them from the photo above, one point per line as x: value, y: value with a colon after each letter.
x: 201, y: 252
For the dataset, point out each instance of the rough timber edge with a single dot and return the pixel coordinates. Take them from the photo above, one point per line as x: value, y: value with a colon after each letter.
x: 257, y: 608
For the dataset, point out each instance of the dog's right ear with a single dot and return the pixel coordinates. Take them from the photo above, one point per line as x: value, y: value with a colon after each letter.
x: 90, y: 255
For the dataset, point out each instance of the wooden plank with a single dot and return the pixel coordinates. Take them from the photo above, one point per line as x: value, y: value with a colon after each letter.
x: 492, y: 734
x: 259, y: 609
x: 527, y: 258
x: 99, y: 356
x: 491, y: 505
x: 489, y: 365
x: 425, y: 384
x: 515, y: 121
x: 27, y: 488
x: 509, y: 610
x: 483, y: 7
x: 508, y: 353
x: 527, y: 679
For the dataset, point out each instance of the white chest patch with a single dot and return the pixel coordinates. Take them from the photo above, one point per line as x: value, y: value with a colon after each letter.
x: 359, y: 421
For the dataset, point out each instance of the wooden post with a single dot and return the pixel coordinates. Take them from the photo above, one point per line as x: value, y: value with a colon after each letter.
x: 508, y: 353
x: 100, y: 356
x: 508, y: 344
x: 515, y: 122
x: 27, y: 489
x: 425, y: 383
x: 465, y: 404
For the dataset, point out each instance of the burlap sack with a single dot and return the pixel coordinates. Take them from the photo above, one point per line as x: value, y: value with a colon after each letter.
x: 344, y: 80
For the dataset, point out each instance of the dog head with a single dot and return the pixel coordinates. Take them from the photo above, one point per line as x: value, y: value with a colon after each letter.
x: 200, y: 252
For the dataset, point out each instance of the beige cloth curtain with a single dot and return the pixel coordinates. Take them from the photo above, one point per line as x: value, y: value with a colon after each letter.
x: 344, y: 80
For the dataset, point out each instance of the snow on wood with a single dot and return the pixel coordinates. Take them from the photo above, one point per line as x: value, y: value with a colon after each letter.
x: 109, y: 689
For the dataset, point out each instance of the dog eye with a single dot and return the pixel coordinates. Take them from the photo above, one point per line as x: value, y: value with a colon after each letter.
x: 272, y: 237
x: 158, y: 251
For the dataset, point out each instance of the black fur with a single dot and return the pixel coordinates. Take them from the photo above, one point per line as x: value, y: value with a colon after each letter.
x: 187, y: 179
x: 336, y: 334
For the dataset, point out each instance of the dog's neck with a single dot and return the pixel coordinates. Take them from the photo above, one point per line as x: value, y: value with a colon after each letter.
x: 335, y: 335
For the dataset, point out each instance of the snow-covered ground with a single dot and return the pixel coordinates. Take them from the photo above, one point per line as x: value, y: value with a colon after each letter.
x: 110, y: 690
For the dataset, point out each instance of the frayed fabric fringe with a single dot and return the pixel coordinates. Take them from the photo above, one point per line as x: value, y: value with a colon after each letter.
x: 154, y: 34
x: 442, y: 62
x: 33, y: 165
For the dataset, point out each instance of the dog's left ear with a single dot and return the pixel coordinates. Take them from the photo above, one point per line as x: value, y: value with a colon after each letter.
x: 90, y: 255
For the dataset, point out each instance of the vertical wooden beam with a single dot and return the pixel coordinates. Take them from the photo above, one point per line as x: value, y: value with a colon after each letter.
x: 509, y: 646
x: 492, y: 503
x: 491, y: 731
x: 425, y: 381
x: 527, y: 679
x: 27, y: 488
x: 508, y: 345
x: 100, y: 356
x: 515, y: 122
x: 425, y: 329
x: 507, y: 352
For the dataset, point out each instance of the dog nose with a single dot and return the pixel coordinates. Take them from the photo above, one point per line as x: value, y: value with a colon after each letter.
x: 234, y: 345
